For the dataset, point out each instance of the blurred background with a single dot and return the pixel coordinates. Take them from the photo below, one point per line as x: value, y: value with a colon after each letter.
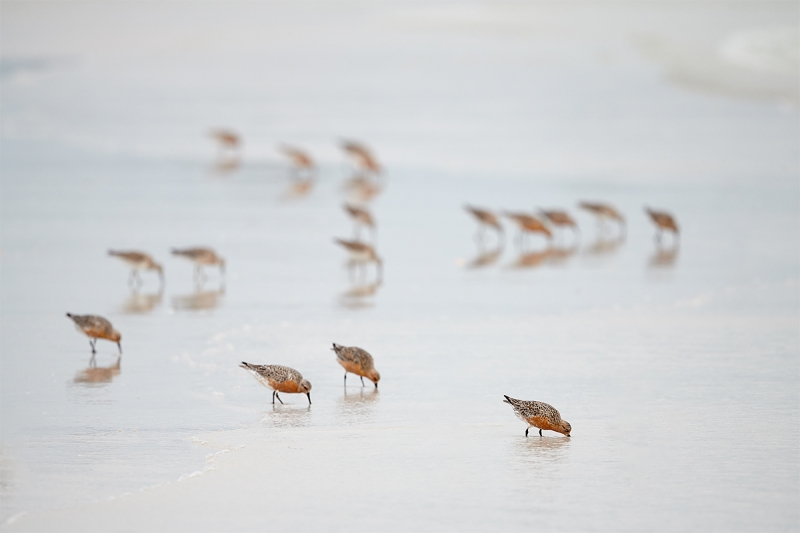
x: 675, y: 360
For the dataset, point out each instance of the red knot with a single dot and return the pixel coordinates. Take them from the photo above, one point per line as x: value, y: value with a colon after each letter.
x: 529, y: 224
x: 138, y: 261
x: 280, y: 378
x: 603, y: 211
x: 361, y: 255
x: 663, y: 221
x: 362, y: 156
x: 96, y: 327
x: 201, y: 257
x: 539, y: 415
x: 361, y: 217
x: 358, y: 362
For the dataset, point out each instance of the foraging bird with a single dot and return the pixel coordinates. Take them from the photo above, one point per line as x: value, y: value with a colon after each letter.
x: 358, y: 362
x: 280, y: 378
x: 663, y: 221
x: 485, y: 219
x: 529, y: 224
x: 604, y: 212
x: 539, y: 415
x: 559, y: 218
x: 361, y: 217
x: 361, y: 254
x: 138, y: 261
x: 300, y: 159
x: 226, y: 139
x: 201, y: 257
x: 362, y: 156
x: 96, y: 327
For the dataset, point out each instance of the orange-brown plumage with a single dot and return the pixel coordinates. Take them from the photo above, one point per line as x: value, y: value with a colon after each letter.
x: 662, y: 220
x: 530, y: 224
x: 485, y: 216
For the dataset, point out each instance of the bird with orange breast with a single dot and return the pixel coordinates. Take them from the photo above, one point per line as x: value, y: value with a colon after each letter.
x: 301, y: 161
x: 539, y: 415
x: 362, y: 157
x: 96, y: 327
x: 361, y: 255
x: 280, y: 378
x: 529, y: 224
x: 604, y: 212
x: 356, y: 361
x: 664, y: 222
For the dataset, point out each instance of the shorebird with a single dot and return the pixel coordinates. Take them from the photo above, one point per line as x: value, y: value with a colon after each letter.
x: 663, y: 221
x: 362, y: 156
x: 358, y: 362
x: 529, y: 224
x: 539, y: 415
x: 138, y: 261
x: 301, y: 160
x: 604, y: 212
x: 360, y: 255
x: 560, y: 219
x: 362, y: 217
x: 280, y: 379
x: 96, y: 327
x: 485, y: 219
x: 201, y: 257
x: 227, y: 139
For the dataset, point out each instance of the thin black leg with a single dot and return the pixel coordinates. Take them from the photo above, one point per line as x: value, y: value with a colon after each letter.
x: 540, y: 433
x: 362, y: 380
x: 278, y: 397
x: 273, y: 397
x: 92, y: 343
x: 526, y: 431
x: 345, y: 379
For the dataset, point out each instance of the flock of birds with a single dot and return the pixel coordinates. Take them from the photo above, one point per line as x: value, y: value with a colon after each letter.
x: 354, y: 360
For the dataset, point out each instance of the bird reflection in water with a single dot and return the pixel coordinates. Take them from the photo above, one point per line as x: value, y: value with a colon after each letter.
x: 531, y: 259
x: 95, y: 374
x: 299, y: 188
x: 198, y: 300
x: 288, y: 415
x: 359, y: 295
x: 362, y: 189
x: 539, y: 450
x: 140, y: 303
x: 664, y: 257
x: 604, y: 246
x: 558, y: 256
x: 357, y: 407
x: 486, y: 257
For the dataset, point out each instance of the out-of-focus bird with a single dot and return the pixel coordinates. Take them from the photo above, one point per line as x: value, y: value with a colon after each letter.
x: 356, y: 361
x: 485, y: 219
x: 300, y: 159
x: 96, y: 327
x: 539, y: 415
x: 280, y: 378
x: 201, y: 257
x: 559, y: 218
x: 138, y: 261
x: 604, y: 212
x: 663, y: 221
x: 529, y: 224
x: 361, y: 255
x: 362, y: 156
x: 361, y: 217
x: 228, y: 142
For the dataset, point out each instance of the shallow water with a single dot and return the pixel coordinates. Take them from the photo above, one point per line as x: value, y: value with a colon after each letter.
x: 676, y: 366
